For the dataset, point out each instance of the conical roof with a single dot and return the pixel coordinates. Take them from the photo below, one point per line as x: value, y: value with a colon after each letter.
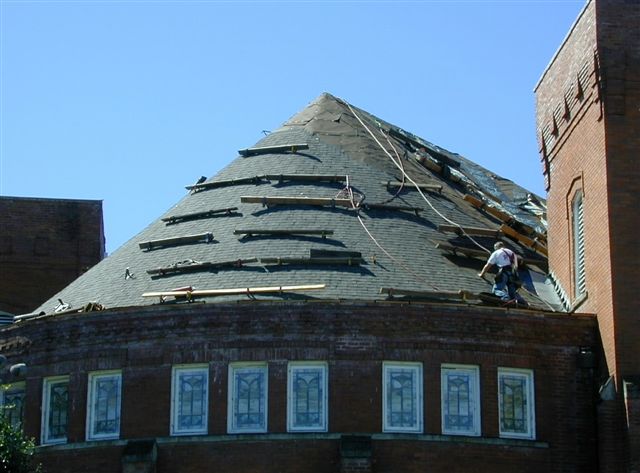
x: 363, y: 228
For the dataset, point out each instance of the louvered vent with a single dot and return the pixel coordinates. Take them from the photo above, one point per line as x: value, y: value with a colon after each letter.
x: 578, y: 245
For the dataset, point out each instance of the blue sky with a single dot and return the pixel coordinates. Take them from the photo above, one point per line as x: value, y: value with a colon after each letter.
x: 129, y: 101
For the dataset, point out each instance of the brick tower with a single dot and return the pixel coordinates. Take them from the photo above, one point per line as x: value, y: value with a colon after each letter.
x: 588, y: 122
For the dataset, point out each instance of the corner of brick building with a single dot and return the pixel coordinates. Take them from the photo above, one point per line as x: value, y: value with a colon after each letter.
x: 588, y: 123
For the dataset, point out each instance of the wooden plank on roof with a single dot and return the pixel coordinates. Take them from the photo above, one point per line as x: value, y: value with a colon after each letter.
x: 289, y: 148
x: 315, y: 201
x: 198, y: 266
x: 316, y: 260
x: 229, y: 182
x: 503, y: 216
x: 392, y: 207
x: 479, y: 204
x: 234, y: 291
x: 392, y: 291
x: 473, y: 231
x: 306, y: 177
x: 174, y: 241
x: 532, y: 243
x: 251, y: 232
x: 229, y: 211
x: 410, y: 185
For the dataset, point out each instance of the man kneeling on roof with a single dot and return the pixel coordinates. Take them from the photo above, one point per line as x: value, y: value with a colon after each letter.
x: 506, y: 282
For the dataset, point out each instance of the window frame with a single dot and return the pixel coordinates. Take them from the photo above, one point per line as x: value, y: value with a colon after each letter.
x: 474, y: 398
x: 292, y: 367
x: 239, y: 367
x: 18, y: 386
x: 418, y: 392
x: 47, y: 385
x: 528, y: 375
x: 176, y: 370
x: 92, y: 381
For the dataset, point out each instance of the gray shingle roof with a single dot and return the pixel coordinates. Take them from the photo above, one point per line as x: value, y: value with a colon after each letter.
x: 338, y: 145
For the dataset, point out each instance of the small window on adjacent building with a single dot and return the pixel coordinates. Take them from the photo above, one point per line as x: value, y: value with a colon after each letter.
x: 307, y: 397
x: 577, y: 211
x: 55, y: 409
x: 247, y: 398
x: 402, y: 397
x: 13, y: 404
x: 460, y: 400
x: 516, y: 403
x: 103, y: 408
x: 189, y: 394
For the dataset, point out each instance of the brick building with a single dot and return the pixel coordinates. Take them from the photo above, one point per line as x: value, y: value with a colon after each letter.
x: 316, y: 306
x: 44, y: 245
x: 589, y: 127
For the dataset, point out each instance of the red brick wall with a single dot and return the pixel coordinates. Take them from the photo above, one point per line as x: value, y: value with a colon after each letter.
x: 354, y: 339
x: 591, y: 142
x: 44, y: 245
x: 619, y: 46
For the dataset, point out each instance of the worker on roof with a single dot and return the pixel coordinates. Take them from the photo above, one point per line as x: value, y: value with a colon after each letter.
x: 507, y: 281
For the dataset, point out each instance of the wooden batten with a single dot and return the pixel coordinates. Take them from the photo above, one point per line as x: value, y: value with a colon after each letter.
x: 315, y: 201
x: 311, y: 261
x: 392, y: 291
x: 411, y: 185
x: 292, y: 148
x: 230, y: 182
x: 235, y: 291
x: 184, y: 268
x: 252, y: 232
x: 472, y: 231
x: 404, y: 208
x: 532, y: 243
x: 305, y: 177
x: 229, y: 211
x: 503, y: 216
x: 175, y: 241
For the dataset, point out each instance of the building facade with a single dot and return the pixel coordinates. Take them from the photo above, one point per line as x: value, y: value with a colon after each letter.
x: 589, y: 128
x: 44, y: 245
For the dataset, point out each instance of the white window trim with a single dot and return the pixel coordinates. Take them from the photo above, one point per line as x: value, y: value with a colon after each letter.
x: 531, y: 410
x: 468, y: 369
x: 93, y: 377
x: 416, y: 367
x: 291, y: 369
x: 233, y: 367
x: 196, y: 369
x: 47, y: 384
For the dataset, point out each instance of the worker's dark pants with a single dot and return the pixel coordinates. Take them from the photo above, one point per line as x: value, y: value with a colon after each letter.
x: 503, y: 286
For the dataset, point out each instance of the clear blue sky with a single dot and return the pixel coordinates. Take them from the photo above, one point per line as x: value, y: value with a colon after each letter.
x: 129, y: 101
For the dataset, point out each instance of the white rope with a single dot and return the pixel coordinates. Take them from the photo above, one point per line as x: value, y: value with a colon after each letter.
x: 412, y: 181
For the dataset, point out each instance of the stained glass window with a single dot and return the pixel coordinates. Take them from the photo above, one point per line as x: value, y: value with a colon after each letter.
x: 55, y: 410
x: 402, y: 393
x: 248, y: 403
x: 13, y: 404
x: 307, y: 388
x: 104, y: 405
x: 515, y: 395
x: 190, y: 400
x: 460, y: 400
